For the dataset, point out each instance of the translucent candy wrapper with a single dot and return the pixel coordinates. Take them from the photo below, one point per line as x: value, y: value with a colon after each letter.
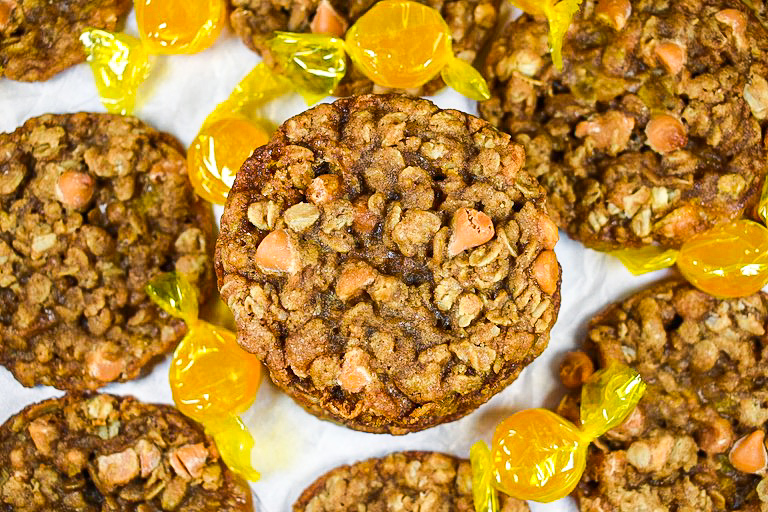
x: 231, y: 132
x: 313, y: 63
x: 646, y: 259
x: 762, y: 208
x: 120, y: 64
x: 559, y: 14
x: 727, y: 261
x: 538, y: 455
x: 212, y: 378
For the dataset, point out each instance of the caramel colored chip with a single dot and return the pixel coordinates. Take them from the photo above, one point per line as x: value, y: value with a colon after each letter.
x: 614, y: 12
x: 327, y: 20
x: 749, y: 454
x: 276, y: 253
x: 666, y: 133
x: 671, y: 56
x: 546, y: 271
x: 470, y: 229
x: 74, y: 189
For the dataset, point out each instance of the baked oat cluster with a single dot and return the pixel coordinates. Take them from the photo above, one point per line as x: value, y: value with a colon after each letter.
x: 704, y: 360
x: 654, y: 129
x: 93, y: 207
x: 471, y: 23
x: 40, y: 38
x: 390, y: 262
x: 90, y: 453
x: 405, y: 481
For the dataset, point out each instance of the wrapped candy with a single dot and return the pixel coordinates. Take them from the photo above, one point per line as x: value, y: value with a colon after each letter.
x: 231, y: 132
x: 212, y: 379
x: 397, y: 43
x: 728, y: 260
x: 538, y: 455
x: 559, y: 14
x: 120, y: 63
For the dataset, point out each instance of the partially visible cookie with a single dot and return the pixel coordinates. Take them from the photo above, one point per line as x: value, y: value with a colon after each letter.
x: 40, y: 38
x: 91, y: 452
x: 93, y: 206
x: 407, y: 481
x: 654, y: 130
x: 390, y: 262
x: 471, y: 23
x: 705, y: 361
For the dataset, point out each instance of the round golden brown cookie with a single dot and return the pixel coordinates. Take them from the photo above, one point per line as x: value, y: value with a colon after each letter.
x: 40, y: 38
x: 91, y: 452
x: 705, y: 361
x: 654, y: 129
x: 390, y: 262
x: 471, y: 23
x: 93, y: 207
x: 400, y: 481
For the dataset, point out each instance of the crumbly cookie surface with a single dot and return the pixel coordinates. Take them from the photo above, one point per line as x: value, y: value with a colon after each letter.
x: 704, y: 360
x: 407, y: 481
x: 340, y: 254
x: 654, y: 129
x: 39, y: 39
x: 93, y: 452
x: 471, y: 23
x: 93, y: 207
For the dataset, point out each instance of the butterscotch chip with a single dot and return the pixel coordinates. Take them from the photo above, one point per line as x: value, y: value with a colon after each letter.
x: 417, y: 289
x: 81, y: 451
x: 696, y: 439
x: 407, y: 481
x: 659, y: 104
x: 93, y: 207
x: 471, y: 23
x: 40, y: 38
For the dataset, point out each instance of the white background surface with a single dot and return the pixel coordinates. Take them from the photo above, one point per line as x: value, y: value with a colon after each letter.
x: 292, y: 447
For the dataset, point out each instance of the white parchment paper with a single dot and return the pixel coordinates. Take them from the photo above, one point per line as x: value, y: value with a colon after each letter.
x: 293, y: 447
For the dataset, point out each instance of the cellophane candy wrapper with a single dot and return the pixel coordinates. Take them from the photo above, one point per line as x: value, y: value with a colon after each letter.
x: 559, y: 14
x: 313, y: 64
x: 538, y: 455
x: 212, y: 378
x: 231, y: 132
x: 120, y: 64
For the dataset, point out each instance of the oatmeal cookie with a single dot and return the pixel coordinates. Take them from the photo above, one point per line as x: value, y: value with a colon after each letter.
x: 40, y: 38
x: 407, y: 481
x: 654, y: 129
x: 705, y: 361
x: 471, y: 23
x: 93, y: 207
x: 92, y: 452
x: 390, y: 262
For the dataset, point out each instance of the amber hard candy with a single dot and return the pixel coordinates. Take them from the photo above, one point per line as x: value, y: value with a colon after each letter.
x: 217, y: 153
x: 179, y: 26
x: 538, y: 455
x: 400, y: 44
x: 730, y: 260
